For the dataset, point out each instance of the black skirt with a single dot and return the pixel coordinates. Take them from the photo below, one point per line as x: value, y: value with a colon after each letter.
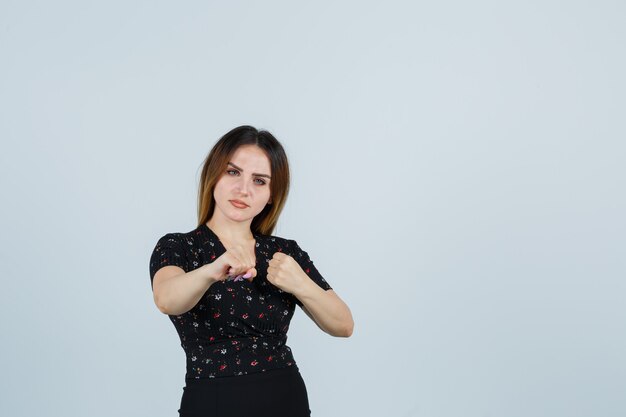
x: 273, y: 393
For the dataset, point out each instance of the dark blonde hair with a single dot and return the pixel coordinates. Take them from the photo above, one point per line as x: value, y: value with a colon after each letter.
x: 216, y: 164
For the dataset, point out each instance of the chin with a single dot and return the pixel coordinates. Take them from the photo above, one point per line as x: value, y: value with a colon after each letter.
x: 237, y: 215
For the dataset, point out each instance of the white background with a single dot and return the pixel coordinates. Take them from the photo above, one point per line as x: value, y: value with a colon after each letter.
x: 458, y: 178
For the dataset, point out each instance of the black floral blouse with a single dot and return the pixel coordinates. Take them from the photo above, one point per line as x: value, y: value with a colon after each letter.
x: 237, y: 327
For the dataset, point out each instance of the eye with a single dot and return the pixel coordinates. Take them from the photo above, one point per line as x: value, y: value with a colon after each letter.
x: 261, y: 182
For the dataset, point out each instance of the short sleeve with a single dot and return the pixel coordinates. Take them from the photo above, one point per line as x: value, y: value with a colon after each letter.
x: 307, y: 266
x: 168, y: 251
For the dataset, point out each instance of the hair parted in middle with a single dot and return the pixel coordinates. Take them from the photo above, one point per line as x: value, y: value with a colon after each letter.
x: 216, y: 163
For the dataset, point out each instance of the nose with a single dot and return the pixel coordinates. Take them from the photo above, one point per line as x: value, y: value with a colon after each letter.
x: 243, y: 185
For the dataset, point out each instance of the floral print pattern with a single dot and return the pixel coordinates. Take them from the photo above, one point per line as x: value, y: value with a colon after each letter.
x: 237, y: 327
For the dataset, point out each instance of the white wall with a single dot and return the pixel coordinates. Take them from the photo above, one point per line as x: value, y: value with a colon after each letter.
x: 458, y: 178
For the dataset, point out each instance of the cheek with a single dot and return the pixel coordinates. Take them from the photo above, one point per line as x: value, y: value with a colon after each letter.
x: 218, y: 189
x: 263, y: 195
x: 222, y: 185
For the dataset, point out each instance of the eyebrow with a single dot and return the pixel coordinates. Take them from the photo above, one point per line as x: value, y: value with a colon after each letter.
x: 254, y: 173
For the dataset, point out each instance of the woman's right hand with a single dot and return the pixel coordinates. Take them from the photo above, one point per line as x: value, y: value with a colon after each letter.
x: 238, y: 260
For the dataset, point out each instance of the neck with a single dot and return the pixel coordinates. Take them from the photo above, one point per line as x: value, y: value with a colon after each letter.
x: 229, y: 230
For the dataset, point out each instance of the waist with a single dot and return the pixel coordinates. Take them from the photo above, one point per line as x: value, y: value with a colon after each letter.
x: 206, y: 341
x: 236, y: 359
x: 257, y: 376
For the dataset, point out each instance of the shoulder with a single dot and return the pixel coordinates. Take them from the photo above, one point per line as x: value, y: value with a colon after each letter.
x: 173, y: 248
x: 170, y: 238
x: 181, y: 239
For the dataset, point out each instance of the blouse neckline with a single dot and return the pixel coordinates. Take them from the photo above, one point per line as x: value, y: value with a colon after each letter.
x: 213, y: 234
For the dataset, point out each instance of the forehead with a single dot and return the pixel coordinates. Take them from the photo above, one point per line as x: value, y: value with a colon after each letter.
x: 251, y: 157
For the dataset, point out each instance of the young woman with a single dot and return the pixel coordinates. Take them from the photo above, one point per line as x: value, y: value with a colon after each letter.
x: 230, y: 287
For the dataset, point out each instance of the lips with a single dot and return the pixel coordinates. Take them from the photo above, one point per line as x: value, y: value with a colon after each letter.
x: 238, y: 203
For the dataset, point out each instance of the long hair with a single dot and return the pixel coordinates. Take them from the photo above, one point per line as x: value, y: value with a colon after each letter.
x: 216, y: 162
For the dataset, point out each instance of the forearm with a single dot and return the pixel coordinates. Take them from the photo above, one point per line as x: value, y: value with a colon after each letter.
x: 181, y: 293
x: 328, y: 310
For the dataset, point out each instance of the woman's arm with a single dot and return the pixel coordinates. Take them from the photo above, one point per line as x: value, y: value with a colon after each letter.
x: 177, y: 291
x: 326, y: 309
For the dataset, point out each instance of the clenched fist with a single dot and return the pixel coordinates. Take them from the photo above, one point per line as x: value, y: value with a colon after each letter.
x: 237, y: 262
x: 285, y: 272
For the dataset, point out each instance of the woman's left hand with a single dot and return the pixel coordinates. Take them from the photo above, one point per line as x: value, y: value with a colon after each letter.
x: 285, y: 272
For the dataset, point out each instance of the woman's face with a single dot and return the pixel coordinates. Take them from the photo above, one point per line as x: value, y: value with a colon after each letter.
x: 246, y: 179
